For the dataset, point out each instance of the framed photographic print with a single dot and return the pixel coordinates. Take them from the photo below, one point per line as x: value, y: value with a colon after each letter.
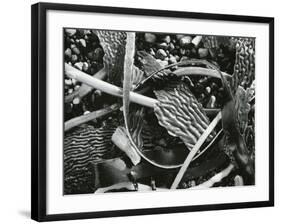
x: 138, y: 111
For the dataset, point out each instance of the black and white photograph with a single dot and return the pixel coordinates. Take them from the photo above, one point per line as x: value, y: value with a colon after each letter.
x: 150, y: 111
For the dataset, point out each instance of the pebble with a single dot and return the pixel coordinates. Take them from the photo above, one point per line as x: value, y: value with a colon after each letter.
x: 238, y: 181
x: 182, y: 51
x: 172, y: 60
x: 167, y: 39
x: 85, y: 66
x: 68, y: 82
x: 163, y: 46
x: 67, y: 53
x: 86, y: 112
x: 214, y: 86
x: 211, y: 103
x: 192, y: 183
x: 150, y: 37
x: 76, y: 100
x: 208, y: 89
x: 74, y: 58
x: 203, y: 52
x: 98, y: 54
x: 79, y: 65
x: 184, y: 185
x: 177, y: 57
x: 186, y: 40
x: 70, y: 91
x: 76, y: 87
x: 76, y: 50
x: 74, y: 81
x: 83, y: 42
x: 90, y: 55
x: 161, y: 54
x: 70, y: 32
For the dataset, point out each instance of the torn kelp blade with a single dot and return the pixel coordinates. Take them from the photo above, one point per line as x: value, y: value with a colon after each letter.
x: 181, y: 114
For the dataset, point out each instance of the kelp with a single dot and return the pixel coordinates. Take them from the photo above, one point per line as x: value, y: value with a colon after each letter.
x: 181, y: 114
x: 177, y: 110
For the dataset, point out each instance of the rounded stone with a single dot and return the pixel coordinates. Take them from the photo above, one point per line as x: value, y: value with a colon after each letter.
x: 161, y: 54
x: 172, y: 60
x: 163, y: 46
x: 67, y: 53
x: 186, y: 40
x: 98, y: 54
x: 85, y: 66
x: 150, y: 37
x: 203, y: 52
x: 78, y: 65
x: 70, y: 32
x: 83, y: 42
x: 167, y: 39
x: 74, y: 58
x: 76, y: 51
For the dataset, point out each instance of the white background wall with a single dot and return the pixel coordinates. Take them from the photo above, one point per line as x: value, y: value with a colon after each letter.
x: 15, y: 110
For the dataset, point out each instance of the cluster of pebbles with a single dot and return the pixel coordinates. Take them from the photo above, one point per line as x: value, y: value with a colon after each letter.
x: 83, y: 51
x: 170, y: 49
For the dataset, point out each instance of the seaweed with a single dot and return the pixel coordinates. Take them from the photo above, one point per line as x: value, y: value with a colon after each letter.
x: 176, y: 111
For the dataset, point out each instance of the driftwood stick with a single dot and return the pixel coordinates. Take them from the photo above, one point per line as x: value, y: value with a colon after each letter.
x: 88, y: 117
x: 114, y: 90
x: 107, y: 87
x: 195, y: 149
x: 84, y: 88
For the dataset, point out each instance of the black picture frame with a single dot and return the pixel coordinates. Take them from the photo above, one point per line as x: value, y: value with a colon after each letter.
x: 39, y: 122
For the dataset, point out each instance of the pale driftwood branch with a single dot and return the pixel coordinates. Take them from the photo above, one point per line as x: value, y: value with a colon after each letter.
x: 215, y: 179
x: 106, y: 87
x: 84, y: 89
x: 88, y: 117
x: 116, y: 91
x: 195, y: 149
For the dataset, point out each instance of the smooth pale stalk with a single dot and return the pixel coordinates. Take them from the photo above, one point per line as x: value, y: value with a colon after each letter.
x: 88, y: 117
x: 114, y: 90
x: 107, y: 87
x: 84, y: 88
x: 195, y: 149
x: 199, y: 71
